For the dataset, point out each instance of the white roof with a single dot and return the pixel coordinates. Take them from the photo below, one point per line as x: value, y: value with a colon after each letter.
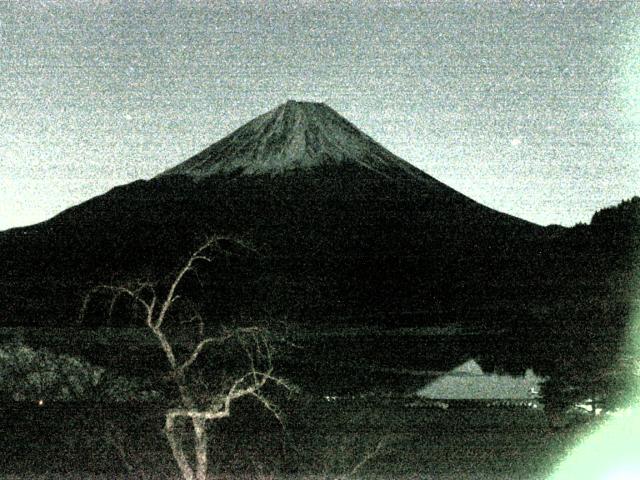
x: 469, y: 382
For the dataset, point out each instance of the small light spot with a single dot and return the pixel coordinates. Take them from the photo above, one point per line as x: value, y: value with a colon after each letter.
x: 516, y: 141
x: 40, y: 402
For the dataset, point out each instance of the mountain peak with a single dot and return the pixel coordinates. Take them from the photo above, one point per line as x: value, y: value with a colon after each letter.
x: 301, y: 104
x: 296, y: 135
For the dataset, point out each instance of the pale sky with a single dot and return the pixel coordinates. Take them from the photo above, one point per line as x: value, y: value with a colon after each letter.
x: 529, y: 107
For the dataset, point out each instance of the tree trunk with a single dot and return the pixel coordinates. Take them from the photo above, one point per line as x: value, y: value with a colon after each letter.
x: 176, y: 449
x: 199, y: 427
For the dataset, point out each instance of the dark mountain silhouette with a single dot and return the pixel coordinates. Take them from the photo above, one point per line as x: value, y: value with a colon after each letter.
x: 344, y: 232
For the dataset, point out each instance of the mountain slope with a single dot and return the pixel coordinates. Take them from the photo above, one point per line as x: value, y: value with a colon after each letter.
x: 295, y: 136
x: 345, y: 230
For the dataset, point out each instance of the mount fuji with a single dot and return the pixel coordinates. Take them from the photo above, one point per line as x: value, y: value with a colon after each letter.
x: 345, y: 231
x: 292, y: 137
x: 344, y: 234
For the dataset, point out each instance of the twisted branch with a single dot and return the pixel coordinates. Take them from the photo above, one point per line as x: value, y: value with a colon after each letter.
x: 253, y: 341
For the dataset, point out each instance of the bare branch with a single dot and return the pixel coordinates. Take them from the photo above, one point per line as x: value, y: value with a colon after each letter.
x: 368, y: 456
x: 166, y: 346
x: 117, y: 292
x: 113, y: 436
x: 266, y: 403
x: 254, y: 341
x: 249, y: 384
x: 112, y: 305
x: 236, y: 392
x: 198, y: 414
x: 196, y: 352
x: 152, y: 306
x: 171, y: 295
x: 217, y: 341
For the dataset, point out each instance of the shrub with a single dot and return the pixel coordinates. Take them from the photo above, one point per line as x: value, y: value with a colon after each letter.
x: 27, y: 374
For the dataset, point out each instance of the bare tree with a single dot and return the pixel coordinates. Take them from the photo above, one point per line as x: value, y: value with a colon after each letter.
x: 195, y: 406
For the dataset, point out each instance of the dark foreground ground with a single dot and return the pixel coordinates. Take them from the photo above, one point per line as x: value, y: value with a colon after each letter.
x: 321, y: 439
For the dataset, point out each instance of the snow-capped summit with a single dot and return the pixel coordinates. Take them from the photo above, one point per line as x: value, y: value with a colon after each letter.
x: 295, y: 136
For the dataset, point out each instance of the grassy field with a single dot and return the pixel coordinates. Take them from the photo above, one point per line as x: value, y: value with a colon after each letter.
x: 320, y: 440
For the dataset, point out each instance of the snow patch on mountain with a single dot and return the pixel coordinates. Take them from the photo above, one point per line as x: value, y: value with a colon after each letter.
x: 295, y: 136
